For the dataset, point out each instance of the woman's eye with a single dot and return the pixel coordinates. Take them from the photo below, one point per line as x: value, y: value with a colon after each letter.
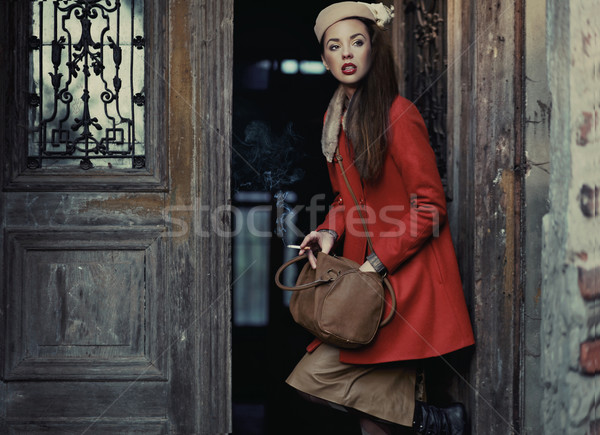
x: 334, y: 47
x: 359, y: 42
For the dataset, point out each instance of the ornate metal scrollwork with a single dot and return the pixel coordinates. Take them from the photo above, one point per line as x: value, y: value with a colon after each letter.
x: 139, y: 162
x: 33, y: 163
x: 139, y: 42
x: 86, y: 164
x: 139, y: 99
x: 91, y: 105
x: 34, y: 100
x: 426, y: 66
x: 34, y: 43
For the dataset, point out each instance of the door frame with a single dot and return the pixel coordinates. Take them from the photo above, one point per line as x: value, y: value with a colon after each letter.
x: 486, y: 169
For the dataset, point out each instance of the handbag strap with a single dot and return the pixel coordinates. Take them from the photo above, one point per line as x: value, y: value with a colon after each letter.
x: 339, y: 159
x: 297, y: 287
x: 388, y: 284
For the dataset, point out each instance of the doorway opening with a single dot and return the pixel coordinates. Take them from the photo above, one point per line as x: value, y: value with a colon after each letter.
x: 280, y: 192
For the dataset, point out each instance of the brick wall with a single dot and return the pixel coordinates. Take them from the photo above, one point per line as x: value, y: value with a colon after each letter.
x: 571, y: 253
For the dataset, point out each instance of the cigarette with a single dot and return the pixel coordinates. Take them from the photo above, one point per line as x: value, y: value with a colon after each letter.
x: 294, y: 246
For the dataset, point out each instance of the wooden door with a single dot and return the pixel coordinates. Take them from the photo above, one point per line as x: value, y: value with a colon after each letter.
x: 114, y: 243
x: 455, y: 57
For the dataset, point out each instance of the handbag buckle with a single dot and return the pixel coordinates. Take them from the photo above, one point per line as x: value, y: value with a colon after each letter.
x: 332, y: 272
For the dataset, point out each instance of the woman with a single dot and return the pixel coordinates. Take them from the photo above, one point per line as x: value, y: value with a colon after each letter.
x: 382, y: 142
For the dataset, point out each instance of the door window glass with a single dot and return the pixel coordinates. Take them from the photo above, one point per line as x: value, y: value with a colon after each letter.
x: 87, y: 84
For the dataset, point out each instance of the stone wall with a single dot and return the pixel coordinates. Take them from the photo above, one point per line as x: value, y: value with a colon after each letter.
x: 570, y: 337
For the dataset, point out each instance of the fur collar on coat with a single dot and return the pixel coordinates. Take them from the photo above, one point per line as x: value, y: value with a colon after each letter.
x: 331, y: 128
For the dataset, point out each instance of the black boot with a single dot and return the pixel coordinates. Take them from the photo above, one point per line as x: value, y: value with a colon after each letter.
x: 431, y: 420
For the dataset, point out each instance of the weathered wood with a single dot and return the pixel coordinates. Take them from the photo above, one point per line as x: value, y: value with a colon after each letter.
x: 158, y: 292
x: 496, y: 148
x: 448, y: 377
x: 80, y: 209
x: 213, y: 273
x: 16, y: 175
x: 71, y: 401
x: 73, y: 408
x: 84, y: 305
x: 182, y: 251
x: 199, y: 259
x: 98, y: 428
x: 398, y: 43
x: 485, y: 128
x: 460, y: 160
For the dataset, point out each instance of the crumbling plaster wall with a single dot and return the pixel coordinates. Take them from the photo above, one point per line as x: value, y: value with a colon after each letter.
x: 538, y: 114
x: 570, y: 336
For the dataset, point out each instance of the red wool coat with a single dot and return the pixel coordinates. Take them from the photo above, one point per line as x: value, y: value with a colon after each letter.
x: 406, y: 216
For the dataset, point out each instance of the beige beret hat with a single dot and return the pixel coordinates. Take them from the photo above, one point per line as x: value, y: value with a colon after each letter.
x: 379, y: 13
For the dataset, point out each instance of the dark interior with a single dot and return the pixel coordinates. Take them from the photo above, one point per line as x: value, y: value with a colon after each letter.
x: 277, y: 126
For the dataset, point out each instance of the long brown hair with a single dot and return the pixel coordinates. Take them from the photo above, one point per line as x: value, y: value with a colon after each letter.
x: 367, y: 117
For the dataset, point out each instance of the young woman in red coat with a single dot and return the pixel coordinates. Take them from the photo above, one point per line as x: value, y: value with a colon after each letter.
x: 383, y: 145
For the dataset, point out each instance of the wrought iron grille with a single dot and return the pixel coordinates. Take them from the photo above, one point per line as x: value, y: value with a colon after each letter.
x: 87, y: 84
x: 426, y: 67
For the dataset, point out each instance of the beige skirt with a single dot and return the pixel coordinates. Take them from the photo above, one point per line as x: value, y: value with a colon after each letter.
x: 385, y: 391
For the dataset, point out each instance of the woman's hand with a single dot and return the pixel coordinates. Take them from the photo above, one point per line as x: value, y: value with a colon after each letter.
x: 315, y: 242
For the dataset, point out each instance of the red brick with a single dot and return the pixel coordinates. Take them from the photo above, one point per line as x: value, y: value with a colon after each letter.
x: 589, y: 283
x: 589, y: 357
x: 585, y: 128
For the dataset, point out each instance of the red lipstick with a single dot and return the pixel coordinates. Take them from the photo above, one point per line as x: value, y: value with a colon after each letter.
x: 348, y: 68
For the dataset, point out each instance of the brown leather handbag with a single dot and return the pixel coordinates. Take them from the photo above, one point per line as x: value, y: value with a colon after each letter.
x: 337, y: 302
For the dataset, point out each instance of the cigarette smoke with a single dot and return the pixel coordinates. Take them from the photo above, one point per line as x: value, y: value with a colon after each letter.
x: 266, y: 162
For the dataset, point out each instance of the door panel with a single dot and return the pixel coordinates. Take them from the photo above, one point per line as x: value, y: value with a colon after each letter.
x: 65, y: 407
x: 84, y: 306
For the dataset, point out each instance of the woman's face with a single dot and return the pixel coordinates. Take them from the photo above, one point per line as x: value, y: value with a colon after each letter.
x: 347, y: 52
